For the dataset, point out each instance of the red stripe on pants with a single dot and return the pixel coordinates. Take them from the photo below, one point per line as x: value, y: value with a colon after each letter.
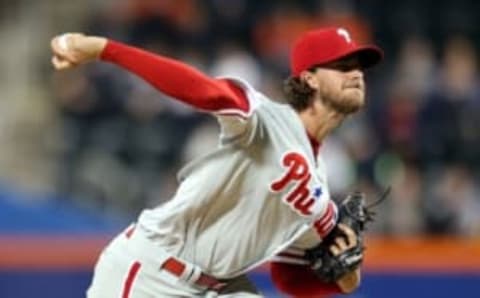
x: 132, y: 273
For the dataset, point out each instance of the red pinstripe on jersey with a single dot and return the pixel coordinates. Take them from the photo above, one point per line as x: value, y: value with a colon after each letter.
x: 132, y: 273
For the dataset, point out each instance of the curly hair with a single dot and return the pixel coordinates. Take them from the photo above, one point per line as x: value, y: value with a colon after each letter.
x: 298, y: 93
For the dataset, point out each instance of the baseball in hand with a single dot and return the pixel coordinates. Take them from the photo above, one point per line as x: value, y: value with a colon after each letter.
x: 63, y: 41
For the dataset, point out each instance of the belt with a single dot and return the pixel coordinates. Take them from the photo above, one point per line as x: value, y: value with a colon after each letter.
x: 177, y: 267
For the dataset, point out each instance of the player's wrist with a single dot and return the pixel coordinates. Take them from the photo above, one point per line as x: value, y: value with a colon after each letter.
x: 96, y: 45
x: 350, y: 281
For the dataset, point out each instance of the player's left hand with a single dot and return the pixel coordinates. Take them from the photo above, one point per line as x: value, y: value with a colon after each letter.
x: 341, y: 251
x: 344, y: 242
x: 339, y: 254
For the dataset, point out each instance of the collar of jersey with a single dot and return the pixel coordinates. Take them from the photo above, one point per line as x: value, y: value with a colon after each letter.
x: 315, y: 144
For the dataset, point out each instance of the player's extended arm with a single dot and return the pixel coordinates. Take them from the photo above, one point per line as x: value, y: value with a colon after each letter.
x: 172, y: 77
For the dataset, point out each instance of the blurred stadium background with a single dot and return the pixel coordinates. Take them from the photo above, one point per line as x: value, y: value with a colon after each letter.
x: 83, y: 151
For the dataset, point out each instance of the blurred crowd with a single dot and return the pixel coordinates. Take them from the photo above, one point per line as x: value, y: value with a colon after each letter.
x: 120, y: 142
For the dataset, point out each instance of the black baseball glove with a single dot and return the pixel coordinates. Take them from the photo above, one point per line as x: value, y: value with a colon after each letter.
x: 354, y: 213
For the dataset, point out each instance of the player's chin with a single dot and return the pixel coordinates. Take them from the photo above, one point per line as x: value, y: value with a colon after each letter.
x: 353, y: 101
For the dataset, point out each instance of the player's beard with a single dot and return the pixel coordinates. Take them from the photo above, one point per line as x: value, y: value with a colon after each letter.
x: 350, y: 101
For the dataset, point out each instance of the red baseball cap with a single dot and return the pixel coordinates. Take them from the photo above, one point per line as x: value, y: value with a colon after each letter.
x: 323, y: 46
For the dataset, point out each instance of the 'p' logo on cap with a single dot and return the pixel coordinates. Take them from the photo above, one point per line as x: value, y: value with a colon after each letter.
x: 326, y: 45
x: 343, y: 32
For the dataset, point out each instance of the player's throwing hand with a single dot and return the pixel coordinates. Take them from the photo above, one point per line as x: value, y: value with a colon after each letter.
x: 72, y: 49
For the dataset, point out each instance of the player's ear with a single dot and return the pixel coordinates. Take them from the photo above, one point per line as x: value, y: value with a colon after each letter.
x: 309, y: 78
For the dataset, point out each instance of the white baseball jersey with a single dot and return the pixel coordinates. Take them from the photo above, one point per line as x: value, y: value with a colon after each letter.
x: 259, y: 192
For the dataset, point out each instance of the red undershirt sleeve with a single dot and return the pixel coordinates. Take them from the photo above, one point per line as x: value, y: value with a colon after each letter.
x: 178, y: 80
x: 300, y: 281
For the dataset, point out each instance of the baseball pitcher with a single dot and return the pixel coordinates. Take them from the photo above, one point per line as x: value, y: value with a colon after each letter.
x: 261, y: 195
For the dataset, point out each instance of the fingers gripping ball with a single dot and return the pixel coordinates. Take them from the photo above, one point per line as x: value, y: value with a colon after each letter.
x: 61, y: 52
x: 342, y: 250
x: 63, y: 41
x: 73, y: 49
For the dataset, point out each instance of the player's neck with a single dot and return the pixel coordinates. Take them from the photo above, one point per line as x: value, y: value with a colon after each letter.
x: 320, y: 121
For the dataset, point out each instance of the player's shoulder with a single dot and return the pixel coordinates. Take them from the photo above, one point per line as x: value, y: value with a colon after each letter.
x: 262, y: 107
x: 254, y: 93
